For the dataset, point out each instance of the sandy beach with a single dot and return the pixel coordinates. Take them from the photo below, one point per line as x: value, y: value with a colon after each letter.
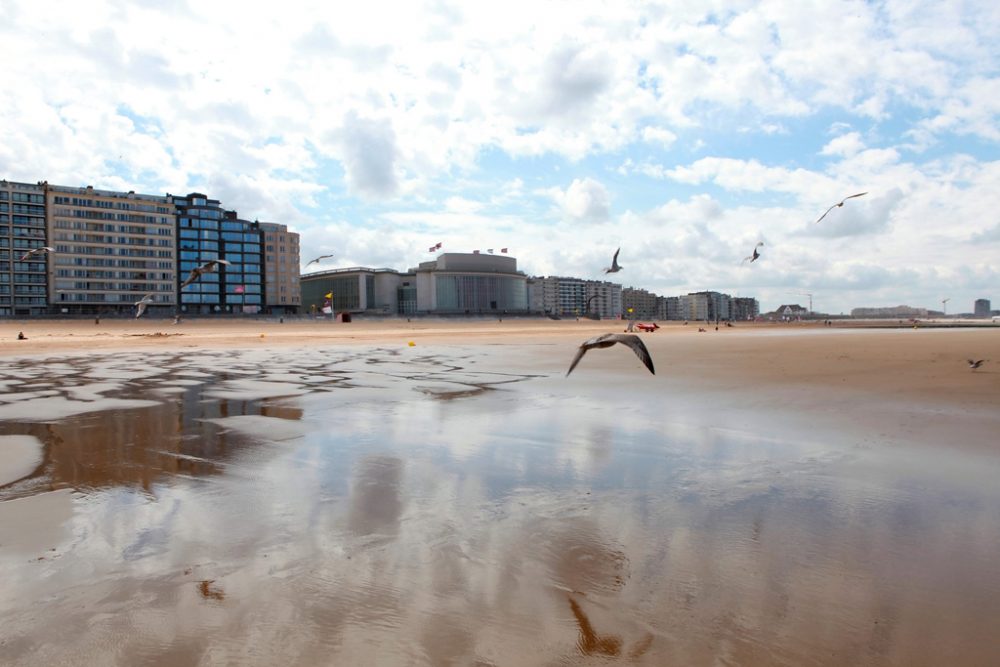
x: 438, y: 492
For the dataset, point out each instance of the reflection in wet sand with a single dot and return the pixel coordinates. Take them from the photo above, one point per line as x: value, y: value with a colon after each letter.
x: 336, y: 511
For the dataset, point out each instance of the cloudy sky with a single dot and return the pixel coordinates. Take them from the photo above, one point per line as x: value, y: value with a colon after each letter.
x: 683, y: 133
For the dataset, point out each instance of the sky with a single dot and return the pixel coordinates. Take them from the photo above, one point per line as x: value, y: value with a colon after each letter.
x: 682, y: 133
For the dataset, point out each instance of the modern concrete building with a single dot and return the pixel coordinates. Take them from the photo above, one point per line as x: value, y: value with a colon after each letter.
x: 360, y: 290
x: 888, y: 312
x: 111, y: 249
x: 23, y: 285
x: 743, y: 308
x: 206, y: 231
x: 642, y: 302
x: 669, y: 308
x: 282, y: 294
x: 982, y: 308
x: 574, y: 297
x: 470, y: 283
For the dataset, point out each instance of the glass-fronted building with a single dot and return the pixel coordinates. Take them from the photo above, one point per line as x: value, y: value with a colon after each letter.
x: 471, y: 283
x: 206, y: 231
x: 22, y: 228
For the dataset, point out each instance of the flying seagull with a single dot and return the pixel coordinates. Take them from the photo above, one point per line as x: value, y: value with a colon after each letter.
x: 976, y: 363
x: 614, y: 268
x: 316, y: 261
x: 36, y: 251
x: 207, y: 267
x: 607, y: 340
x: 140, y: 306
x: 840, y: 203
x: 755, y: 255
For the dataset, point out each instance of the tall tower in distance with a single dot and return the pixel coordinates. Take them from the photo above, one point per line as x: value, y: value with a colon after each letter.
x: 982, y: 308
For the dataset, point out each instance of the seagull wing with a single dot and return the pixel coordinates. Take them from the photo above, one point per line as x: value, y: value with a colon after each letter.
x: 579, y: 355
x: 827, y: 211
x: 140, y: 308
x: 614, y: 260
x: 193, y: 276
x: 860, y: 194
x: 637, y: 346
x: 311, y: 262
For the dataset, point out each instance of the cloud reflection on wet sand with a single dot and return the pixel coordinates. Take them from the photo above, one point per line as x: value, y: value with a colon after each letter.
x: 336, y: 509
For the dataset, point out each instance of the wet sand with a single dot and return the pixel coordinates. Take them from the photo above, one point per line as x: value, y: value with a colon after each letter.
x: 329, y: 494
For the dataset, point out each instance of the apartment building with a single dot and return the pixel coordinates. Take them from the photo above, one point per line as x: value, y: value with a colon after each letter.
x: 206, y: 231
x: 642, y: 302
x: 111, y: 249
x: 282, y: 292
x: 23, y: 285
x: 560, y: 295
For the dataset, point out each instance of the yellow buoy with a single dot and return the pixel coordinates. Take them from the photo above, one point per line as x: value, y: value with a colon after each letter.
x: 411, y: 344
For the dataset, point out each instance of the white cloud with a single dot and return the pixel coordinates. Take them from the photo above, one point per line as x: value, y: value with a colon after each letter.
x: 585, y: 200
x: 369, y: 156
x: 845, y: 145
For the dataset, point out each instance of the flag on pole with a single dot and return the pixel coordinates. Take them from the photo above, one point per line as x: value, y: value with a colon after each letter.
x: 432, y: 248
x: 329, y: 295
x: 240, y: 289
x: 438, y: 246
x: 504, y: 250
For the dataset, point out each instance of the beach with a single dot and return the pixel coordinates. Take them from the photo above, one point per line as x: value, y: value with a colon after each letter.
x: 439, y: 492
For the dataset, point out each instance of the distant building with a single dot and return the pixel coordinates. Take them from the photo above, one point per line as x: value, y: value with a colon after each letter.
x: 112, y: 248
x: 743, y: 308
x: 642, y: 302
x: 564, y: 296
x: 982, y: 308
x: 23, y: 285
x: 359, y: 290
x: 669, y: 308
x: 282, y: 293
x: 888, y: 312
x: 470, y: 283
x: 205, y: 232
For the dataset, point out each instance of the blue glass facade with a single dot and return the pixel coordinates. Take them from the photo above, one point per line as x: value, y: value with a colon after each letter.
x: 205, y: 231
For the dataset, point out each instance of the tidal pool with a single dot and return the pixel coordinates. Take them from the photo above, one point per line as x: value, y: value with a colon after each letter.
x: 454, y: 505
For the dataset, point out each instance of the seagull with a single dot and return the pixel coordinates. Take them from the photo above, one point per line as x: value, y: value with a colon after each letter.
x: 607, y: 340
x: 140, y: 306
x: 43, y: 249
x: 316, y: 261
x: 974, y: 364
x: 207, y: 267
x: 614, y: 268
x: 755, y: 255
x: 840, y: 203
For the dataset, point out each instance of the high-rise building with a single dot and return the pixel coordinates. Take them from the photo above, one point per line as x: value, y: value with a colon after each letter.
x: 743, y: 308
x: 22, y: 228
x: 559, y: 295
x: 642, y: 302
x: 282, y: 293
x: 206, y: 231
x: 982, y: 308
x: 111, y: 249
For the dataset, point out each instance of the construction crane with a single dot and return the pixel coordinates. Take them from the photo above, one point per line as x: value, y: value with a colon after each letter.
x: 808, y: 294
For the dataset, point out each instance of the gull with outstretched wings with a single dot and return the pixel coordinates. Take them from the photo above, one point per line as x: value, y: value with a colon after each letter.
x: 36, y: 251
x: 840, y: 203
x: 208, y: 267
x: 753, y: 256
x: 614, y: 268
x: 317, y: 260
x: 140, y: 305
x: 607, y: 340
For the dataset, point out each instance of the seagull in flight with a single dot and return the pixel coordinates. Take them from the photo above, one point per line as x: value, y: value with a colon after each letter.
x: 840, y: 203
x: 207, y: 267
x: 316, y: 261
x: 36, y: 251
x: 140, y: 306
x: 607, y: 340
x: 753, y: 257
x: 976, y: 363
x: 614, y: 268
